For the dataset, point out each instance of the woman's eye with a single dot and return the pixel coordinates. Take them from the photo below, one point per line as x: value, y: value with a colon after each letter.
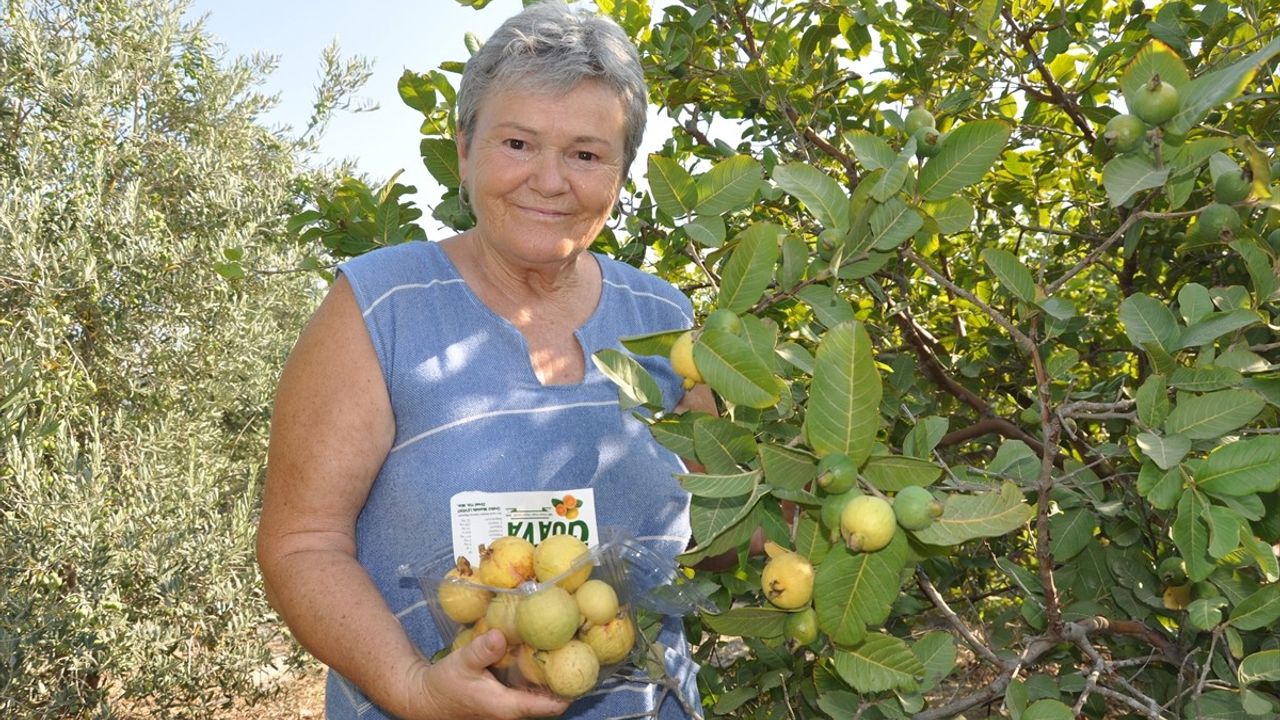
x: 585, y: 156
x: 515, y: 144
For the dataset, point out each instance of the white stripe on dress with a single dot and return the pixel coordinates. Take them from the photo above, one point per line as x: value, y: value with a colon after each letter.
x: 496, y: 413
x: 409, y: 286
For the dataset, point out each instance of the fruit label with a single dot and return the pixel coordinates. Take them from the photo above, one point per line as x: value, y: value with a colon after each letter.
x: 480, y: 517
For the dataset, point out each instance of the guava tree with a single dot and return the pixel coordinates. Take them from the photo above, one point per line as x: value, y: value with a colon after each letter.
x: 1020, y: 256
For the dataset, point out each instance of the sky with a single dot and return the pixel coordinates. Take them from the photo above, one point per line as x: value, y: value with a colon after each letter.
x: 394, y: 34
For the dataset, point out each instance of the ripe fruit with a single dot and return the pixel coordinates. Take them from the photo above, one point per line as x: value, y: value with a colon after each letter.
x: 571, y: 670
x: 460, y: 640
x: 837, y: 473
x: 1176, y: 597
x: 915, y: 508
x: 918, y: 118
x: 597, y: 601
x: 723, y: 319
x: 506, y: 563
x: 1217, y: 222
x: 1124, y: 133
x: 833, y: 507
x: 787, y: 579
x: 501, y: 614
x: 530, y: 667
x: 462, y: 601
x: 1155, y: 102
x: 548, y: 618
x: 682, y: 360
x: 928, y: 142
x: 612, y: 641
x: 802, y: 626
x: 867, y: 523
x: 1232, y: 187
x: 556, y: 555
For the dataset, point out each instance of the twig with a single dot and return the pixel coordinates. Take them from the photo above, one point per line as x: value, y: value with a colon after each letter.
x: 1023, y: 341
x: 955, y: 622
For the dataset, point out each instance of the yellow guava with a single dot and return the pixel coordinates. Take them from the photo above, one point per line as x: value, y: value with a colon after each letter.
x: 597, y: 601
x: 548, y: 618
x: 867, y: 523
x: 459, y: 598
x: 556, y: 555
x: 506, y: 563
x: 787, y: 579
x: 530, y: 666
x: 571, y: 670
x: 501, y: 614
x: 682, y: 360
x: 612, y: 641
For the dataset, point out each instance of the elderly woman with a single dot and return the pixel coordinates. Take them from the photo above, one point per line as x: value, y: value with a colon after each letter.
x: 434, y: 368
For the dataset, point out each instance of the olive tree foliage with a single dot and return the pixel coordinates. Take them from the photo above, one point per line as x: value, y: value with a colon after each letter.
x: 146, y: 313
x: 1062, y: 325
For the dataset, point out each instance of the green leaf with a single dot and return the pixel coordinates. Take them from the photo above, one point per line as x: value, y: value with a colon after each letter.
x: 822, y: 195
x: 1147, y: 320
x: 1204, y: 379
x: 936, y: 651
x: 1186, y: 158
x: 1048, y: 710
x: 787, y: 468
x: 925, y: 436
x: 732, y: 369
x: 1245, y: 467
x: 658, y: 343
x: 416, y: 91
x: 729, y: 185
x: 1205, y: 613
x: 1214, y: 414
x: 1127, y: 175
x: 1161, y: 489
x: 1262, y: 666
x: 709, y: 518
x: 1166, y: 452
x: 967, y: 153
x: 830, y: 308
x: 758, y: 622
x: 895, y: 175
x: 811, y: 539
x: 1012, y: 274
x: 706, y: 230
x: 635, y: 385
x: 1070, y: 532
x: 675, y: 433
x: 720, y: 486
x: 871, y: 150
x: 1259, y: 610
x: 1212, y: 89
x: 1216, y: 325
x: 749, y: 270
x: 673, y: 188
x: 881, y: 662
x: 891, y: 473
x: 1191, y: 535
x: 952, y: 215
x: 965, y: 517
x: 1225, y: 525
x: 440, y: 156
x: 894, y: 223
x: 1155, y: 58
x: 854, y: 590
x: 1153, y: 401
x: 844, y: 402
x: 722, y: 444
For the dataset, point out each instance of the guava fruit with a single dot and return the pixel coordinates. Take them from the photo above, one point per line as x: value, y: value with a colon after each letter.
x: 915, y: 508
x: 556, y: 555
x: 571, y: 670
x: 837, y: 473
x: 501, y: 614
x: 787, y: 580
x: 506, y: 563
x: 530, y: 667
x: 723, y: 319
x: 1124, y: 133
x: 682, y: 360
x: 1232, y: 187
x: 1176, y: 597
x: 1155, y: 102
x: 1217, y: 222
x: 867, y: 523
x: 928, y: 142
x: 597, y: 601
x: 918, y: 118
x: 611, y: 641
x: 1273, y: 240
x: 833, y: 507
x: 802, y: 626
x: 464, y: 636
x: 1172, y: 571
x: 548, y: 618
x: 460, y: 599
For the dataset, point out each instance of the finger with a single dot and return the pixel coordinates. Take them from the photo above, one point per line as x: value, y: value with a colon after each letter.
x: 484, y: 651
x: 533, y: 705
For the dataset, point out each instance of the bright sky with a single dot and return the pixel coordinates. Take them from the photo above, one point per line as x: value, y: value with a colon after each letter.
x: 395, y: 34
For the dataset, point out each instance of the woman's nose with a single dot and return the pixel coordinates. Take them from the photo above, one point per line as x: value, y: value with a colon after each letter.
x: 549, y: 175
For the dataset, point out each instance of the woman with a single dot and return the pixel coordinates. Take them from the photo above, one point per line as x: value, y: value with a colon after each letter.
x: 433, y: 368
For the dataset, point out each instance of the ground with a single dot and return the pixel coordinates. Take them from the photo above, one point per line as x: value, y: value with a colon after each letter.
x: 302, y: 696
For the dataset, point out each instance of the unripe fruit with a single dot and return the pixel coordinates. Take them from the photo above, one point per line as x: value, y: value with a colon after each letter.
x: 1172, y: 571
x: 867, y: 523
x: 548, y: 618
x: 918, y: 118
x: 928, y: 142
x: 1217, y: 222
x: 837, y: 473
x: 833, y: 507
x: 1124, y: 133
x: 1273, y: 240
x: 682, y: 360
x: 802, y: 626
x: 571, y: 670
x: 501, y: 614
x: 611, y: 641
x: 723, y: 319
x: 915, y: 508
x: 529, y: 666
x: 787, y: 579
x: 597, y: 601
x: 1155, y: 102
x: 556, y: 555
x: 462, y: 601
x: 1232, y: 187
x: 506, y: 563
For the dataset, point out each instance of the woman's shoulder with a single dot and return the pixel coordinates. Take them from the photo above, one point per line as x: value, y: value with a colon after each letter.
x: 645, y: 288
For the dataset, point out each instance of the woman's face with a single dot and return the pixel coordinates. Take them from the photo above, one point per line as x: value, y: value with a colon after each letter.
x: 543, y: 171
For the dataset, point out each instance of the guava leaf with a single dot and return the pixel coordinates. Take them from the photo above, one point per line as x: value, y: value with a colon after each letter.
x: 440, y: 156
x: 709, y: 517
x: 1245, y: 467
x: 1191, y: 535
x: 658, y: 343
x: 1262, y: 666
x: 1210, y: 90
x: 1165, y: 451
x: 706, y: 230
x: 811, y: 539
x: 854, y: 590
x: 635, y: 385
x: 1153, y: 401
x: 967, y: 153
x: 730, y: 366
x: 965, y: 517
x: 1071, y: 532
x: 1012, y: 274
x: 1261, y: 553
x: 1204, y: 379
x: 720, y: 486
x: 871, y: 150
x: 729, y: 185
x: 733, y: 535
x: 881, y: 662
x: 895, y: 175
x: 1155, y: 58
x: 1215, y: 326
x: 1225, y: 525
x: 936, y: 651
x: 1259, y: 610
x: 822, y: 195
x: 830, y: 308
x: 722, y: 445
x: 787, y: 468
x: 844, y: 397
x: 952, y: 215
x: 893, y: 223
x: 672, y: 186
x: 1127, y: 175
x: 758, y: 622
x: 416, y: 91
x: 749, y: 269
x: 1214, y: 414
x: 1147, y: 320
x: 925, y: 436
x: 1048, y: 710
x: 891, y: 473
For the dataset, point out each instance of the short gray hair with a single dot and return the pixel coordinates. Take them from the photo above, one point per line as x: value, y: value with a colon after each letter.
x: 553, y: 49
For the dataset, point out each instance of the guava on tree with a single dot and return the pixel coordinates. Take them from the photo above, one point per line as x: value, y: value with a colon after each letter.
x: 1232, y: 187
x: 918, y: 118
x: 802, y: 626
x: 1156, y: 102
x: 787, y: 580
x: 1124, y: 133
x: 682, y: 360
x: 867, y: 523
x: 723, y: 319
x: 1217, y: 222
x: 928, y: 141
x: 916, y: 508
x: 836, y: 473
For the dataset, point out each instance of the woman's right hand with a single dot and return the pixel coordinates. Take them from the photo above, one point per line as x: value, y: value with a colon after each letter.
x: 461, y: 686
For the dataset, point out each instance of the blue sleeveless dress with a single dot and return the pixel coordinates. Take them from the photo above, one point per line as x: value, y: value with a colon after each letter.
x: 471, y: 415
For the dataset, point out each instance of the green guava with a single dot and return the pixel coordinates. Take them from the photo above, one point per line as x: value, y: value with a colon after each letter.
x: 723, y: 319
x: 1232, y: 187
x: 915, y: 508
x: 1156, y: 102
x: 918, y: 118
x: 1124, y: 133
x: 1217, y: 222
x: 802, y: 626
x: 836, y: 473
x: 928, y: 142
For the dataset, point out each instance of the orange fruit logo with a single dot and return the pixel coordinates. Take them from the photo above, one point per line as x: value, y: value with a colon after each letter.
x: 567, y: 507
